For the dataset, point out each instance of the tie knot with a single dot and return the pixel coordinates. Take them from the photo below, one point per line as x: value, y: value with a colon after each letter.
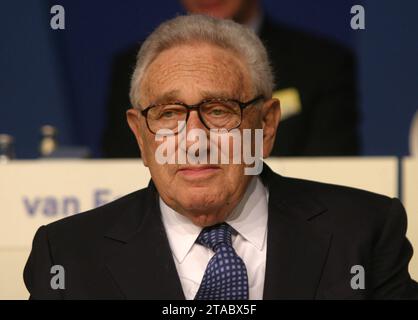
x: 214, y: 236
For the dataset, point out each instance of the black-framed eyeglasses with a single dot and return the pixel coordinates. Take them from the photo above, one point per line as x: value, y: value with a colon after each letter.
x: 213, y: 113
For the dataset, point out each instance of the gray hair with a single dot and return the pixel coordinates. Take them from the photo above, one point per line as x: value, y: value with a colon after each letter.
x: 223, y: 33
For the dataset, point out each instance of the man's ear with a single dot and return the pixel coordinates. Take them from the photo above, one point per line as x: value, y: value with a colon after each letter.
x: 270, y: 114
x: 134, y: 123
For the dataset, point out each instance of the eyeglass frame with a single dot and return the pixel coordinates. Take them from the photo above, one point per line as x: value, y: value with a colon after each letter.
x: 191, y: 107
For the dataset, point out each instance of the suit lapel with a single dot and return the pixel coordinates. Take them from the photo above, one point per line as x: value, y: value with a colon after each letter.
x: 296, y: 252
x: 141, y: 262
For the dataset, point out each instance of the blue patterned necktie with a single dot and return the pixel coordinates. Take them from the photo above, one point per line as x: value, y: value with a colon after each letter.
x: 225, y: 277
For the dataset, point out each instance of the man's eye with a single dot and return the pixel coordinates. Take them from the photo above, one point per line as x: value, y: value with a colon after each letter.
x: 217, y: 112
x: 170, y: 113
x: 167, y: 114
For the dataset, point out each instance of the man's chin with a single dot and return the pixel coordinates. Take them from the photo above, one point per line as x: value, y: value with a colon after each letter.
x: 203, y: 211
x: 206, y: 220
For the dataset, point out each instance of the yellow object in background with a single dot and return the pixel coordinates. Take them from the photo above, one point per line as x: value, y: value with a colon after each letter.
x: 289, y: 101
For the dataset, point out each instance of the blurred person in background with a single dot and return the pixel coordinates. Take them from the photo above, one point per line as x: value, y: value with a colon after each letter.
x: 316, y: 85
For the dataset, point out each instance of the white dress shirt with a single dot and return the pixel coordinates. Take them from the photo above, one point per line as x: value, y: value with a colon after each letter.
x: 249, y: 219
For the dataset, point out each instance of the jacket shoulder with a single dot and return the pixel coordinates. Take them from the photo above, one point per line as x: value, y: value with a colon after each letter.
x: 338, y: 192
x: 100, y: 219
x: 344, y: 204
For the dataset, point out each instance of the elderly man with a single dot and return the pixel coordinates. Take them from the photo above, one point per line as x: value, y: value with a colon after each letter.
x: 210, y: 229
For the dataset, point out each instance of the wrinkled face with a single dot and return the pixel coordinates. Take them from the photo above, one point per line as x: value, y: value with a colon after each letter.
x: 223, y: 9
x: 190, y: 73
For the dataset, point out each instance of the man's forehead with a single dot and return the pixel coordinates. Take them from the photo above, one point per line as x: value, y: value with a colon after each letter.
x: 200, y: 68
x: 208, y: 61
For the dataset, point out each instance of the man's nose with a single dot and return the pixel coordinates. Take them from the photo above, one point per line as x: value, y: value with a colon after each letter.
x: 194, y: 121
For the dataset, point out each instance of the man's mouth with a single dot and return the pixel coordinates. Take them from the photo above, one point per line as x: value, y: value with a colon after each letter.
x: 198, y: 171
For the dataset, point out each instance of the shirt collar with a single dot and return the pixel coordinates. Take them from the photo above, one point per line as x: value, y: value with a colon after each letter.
x: 249, y: 219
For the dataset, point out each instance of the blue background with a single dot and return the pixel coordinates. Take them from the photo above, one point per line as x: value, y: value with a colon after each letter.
x: 60, y: 77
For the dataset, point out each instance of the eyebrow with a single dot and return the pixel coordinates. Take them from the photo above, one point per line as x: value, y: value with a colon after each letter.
x: 218, y: 95
x: 169, y: 96
x: 173, y: 96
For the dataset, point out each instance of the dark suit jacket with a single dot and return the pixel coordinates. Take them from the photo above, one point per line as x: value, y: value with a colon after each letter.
x: 322, y: 71
x: 316, y: 233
